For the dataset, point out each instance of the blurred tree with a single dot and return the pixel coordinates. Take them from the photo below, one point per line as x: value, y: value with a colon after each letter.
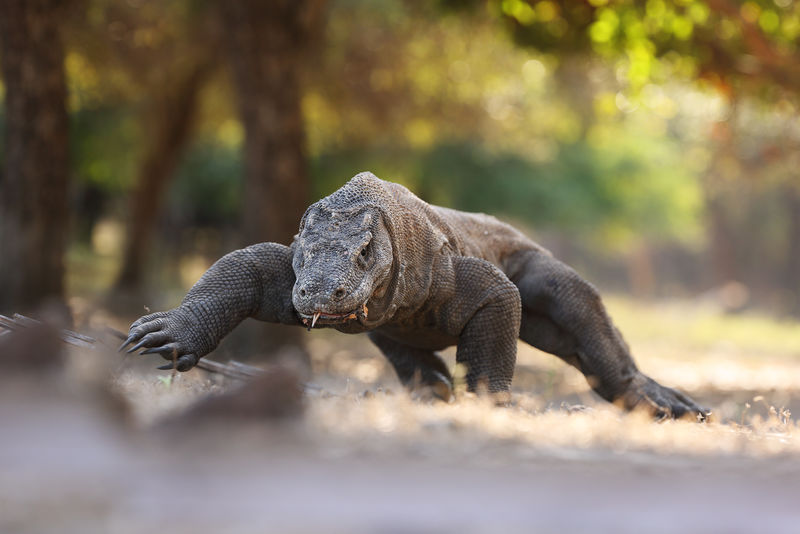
x: 791, y: 273
x: 449, y: 106
x: 600, y: 137
x: 267, y: 43
x: 34, y: 183
x: 169, y: 118
x: 740, y: 48
x: 158, y: 57
x: 753, y: 42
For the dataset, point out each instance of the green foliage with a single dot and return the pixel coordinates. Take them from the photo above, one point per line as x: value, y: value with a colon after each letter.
x: 470, y: 178
x: 616, y: 193
x: 106, y: 145
x: 208, y: 186
x: 546, y: 25
x: 611, y: 124
x: 751, y: 43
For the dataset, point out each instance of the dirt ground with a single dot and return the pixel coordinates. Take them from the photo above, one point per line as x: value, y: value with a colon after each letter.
x: 108, y: 445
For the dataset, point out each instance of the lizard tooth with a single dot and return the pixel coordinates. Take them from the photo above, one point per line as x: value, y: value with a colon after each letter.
x: 314, y: 319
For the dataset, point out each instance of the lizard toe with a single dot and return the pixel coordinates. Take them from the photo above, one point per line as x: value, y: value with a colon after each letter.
x: 182, y: 364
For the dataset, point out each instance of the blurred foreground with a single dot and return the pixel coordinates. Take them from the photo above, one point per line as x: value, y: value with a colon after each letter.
x: 108, y: 444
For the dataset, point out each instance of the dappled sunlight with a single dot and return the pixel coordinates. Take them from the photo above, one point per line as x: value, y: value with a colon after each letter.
x: 155, y: 396
x: 652, y: 146
x: 352, y: 416
x: 356, y: 405
x: 716, y: 372
x: 701, y: 326
x: 393, y: 422
x: 192, y: 268
x: 147, y: 437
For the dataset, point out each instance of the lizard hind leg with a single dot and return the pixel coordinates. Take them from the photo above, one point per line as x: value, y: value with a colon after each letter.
x: 564, y: 315
x: 421, y: 371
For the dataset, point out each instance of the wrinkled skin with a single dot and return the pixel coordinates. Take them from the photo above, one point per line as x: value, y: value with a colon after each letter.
x: 341, y: 260
x: 374, y: 258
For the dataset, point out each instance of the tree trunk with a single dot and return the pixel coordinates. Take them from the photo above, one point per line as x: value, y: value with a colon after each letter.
x: 722, y: 244
x: 641, y: 272
x: 576, y: 88
x: 792, y: 267
x: 170, y: 125
x: 722, y: 236
x: 34, y: 183
x: 267, y: 42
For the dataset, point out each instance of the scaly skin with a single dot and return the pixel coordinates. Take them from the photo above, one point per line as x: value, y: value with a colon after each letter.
x: 372, y: 257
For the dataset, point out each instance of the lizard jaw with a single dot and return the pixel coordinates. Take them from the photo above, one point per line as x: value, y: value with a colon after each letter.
x: 333, y: 318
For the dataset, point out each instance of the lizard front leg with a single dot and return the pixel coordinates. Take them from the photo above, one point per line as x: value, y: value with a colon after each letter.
x: 252, y: 282
x: 483, y: 310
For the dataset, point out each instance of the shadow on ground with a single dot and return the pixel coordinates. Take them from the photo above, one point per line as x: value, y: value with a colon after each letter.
x: 103, y: 443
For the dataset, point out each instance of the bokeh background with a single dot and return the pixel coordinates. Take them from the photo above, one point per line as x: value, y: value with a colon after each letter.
x: 651, y: 144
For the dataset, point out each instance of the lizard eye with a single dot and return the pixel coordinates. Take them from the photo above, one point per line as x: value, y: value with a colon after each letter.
x: 364, y: 254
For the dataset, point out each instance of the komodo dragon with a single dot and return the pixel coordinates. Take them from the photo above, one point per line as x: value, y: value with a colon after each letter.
x: 373, y: 257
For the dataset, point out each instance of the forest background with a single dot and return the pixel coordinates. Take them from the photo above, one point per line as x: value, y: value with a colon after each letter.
x: 651, y: 144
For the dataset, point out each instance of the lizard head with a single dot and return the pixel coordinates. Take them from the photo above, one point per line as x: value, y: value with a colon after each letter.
x: 342, y: 263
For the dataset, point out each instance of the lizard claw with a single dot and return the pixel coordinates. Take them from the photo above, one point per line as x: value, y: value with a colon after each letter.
x: 662, y: 402
x: 171, y: 334
x: 127, y: 342
x: 136, y: 347
x: 163, y: 349
x: 184, y: 363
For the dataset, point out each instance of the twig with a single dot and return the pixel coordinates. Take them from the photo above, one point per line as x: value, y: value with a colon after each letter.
x: 67, y: 336
x: 233, y: 369
x: 226, y: 370
x: 245, y: 369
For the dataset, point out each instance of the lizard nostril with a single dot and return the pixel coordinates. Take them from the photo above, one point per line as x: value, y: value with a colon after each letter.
x: 302, y: 292
x: 339, y: 293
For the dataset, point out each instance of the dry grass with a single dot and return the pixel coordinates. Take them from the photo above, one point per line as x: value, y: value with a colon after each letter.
x: 362, y: 406
x: 367, y: 458
x: 393, y: 422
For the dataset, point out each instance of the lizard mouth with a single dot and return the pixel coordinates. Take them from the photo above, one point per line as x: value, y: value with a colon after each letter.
x: 323, y: 318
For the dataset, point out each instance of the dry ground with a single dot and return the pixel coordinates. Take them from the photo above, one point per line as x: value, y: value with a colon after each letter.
x: 366, y: 458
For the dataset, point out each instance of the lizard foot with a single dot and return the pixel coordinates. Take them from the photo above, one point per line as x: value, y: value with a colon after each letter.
x: 170, y: 334
x: 661, y: 401
x: 437, y: 386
